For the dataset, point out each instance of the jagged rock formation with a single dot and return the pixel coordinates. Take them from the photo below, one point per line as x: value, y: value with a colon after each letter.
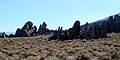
x: 94, y: 32
x: 76, y: 30
x: 117, y: 23
x: 112, y: 24
x: 71, y: 33
x: 27, y: 30
x: 43, y: 29
x: 109, y: 24
x: 88, y: 31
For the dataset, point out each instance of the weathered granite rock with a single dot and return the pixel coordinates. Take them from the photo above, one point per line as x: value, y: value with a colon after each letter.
x: 27, y: 30
x: 71, y: 33
x: 43, y: 29
x: 76, y: 30
x: 96, y: 31
x: 117, y: 24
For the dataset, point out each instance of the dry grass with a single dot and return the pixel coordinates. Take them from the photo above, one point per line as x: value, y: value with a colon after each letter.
x: 39, y: 48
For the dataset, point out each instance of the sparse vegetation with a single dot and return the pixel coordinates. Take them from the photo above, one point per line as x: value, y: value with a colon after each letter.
x: 39, y: 48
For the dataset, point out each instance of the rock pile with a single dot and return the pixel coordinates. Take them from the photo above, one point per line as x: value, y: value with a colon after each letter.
x: 27, y: 30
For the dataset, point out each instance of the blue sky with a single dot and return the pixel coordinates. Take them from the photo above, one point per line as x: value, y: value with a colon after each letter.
x: 14, y: 13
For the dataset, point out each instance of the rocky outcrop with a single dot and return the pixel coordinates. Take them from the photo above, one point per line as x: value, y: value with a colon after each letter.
x: 112, y: 24
x: 43, y: 29
x: 58, y: 34
x: 96, y: 31
x: 117, y: 23
x: 76, y: 30
x: 27, y: 30
x: 87, y: 31
x: 3, y: 35
x: 71, y: 33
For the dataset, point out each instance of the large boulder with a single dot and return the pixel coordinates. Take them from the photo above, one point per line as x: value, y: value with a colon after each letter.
x: 76, y: 26
x: 27, y: 30
x: 76, y: 30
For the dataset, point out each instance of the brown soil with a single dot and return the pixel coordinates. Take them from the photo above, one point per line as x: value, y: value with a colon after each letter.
x: 39, y: 48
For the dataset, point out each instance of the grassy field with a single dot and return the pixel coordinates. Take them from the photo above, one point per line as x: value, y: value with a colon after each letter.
x: 39, y: 48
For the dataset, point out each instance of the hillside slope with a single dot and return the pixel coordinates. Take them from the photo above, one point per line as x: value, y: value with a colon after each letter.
x: 39, y: 48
